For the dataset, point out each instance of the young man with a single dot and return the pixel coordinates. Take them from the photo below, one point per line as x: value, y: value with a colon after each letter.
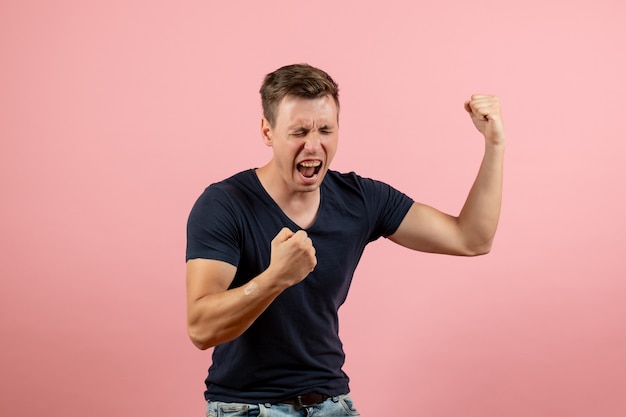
x: 271, y: 251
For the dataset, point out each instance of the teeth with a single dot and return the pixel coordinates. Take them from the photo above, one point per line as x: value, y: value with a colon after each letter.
x: 310, y: 164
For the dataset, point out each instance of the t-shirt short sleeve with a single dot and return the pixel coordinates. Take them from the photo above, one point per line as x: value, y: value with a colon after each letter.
x: 212, y: 231
x: 387, y: 207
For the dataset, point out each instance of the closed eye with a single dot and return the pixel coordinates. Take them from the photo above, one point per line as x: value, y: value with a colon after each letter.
x: 299, y: 133
x: 326, y: 130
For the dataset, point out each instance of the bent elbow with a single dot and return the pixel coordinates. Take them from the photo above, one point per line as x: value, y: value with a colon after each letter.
x: 481, y: 252
x: 478, y: 250
x: 201, y: 344
x: 200, y: 341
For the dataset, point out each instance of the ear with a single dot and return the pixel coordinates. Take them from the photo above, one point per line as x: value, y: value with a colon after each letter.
x: 266, y: 132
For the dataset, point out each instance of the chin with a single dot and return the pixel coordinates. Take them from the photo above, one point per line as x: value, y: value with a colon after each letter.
x: 307, y: 188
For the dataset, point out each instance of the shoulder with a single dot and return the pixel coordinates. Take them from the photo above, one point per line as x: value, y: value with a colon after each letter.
x: 239, y: 181
x: 227, y: 198
x: 353, y: 181
x: 336, y: 179
x: 231, y: 188
x: 377, y: 203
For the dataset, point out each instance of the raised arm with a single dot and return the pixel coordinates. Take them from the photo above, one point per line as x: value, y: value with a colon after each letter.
x: 472, y: 232
x: 216, y: 314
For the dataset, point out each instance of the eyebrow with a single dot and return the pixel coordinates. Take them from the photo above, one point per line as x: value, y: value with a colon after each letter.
x: 300, y: 127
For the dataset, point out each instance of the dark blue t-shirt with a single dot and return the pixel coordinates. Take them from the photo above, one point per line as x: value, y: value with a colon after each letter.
x: 293, y: 347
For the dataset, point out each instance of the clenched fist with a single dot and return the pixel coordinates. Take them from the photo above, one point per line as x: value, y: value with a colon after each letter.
x: 487, y: 117
x: 293, y: 256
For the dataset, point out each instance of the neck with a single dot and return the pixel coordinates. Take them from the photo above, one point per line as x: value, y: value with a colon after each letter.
x: 300, y: 206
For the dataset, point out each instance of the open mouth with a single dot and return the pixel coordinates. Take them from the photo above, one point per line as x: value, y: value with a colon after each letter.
x: 309, y: 169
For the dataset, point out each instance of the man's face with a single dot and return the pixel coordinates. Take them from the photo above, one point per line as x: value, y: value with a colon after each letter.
x: 304, y: 139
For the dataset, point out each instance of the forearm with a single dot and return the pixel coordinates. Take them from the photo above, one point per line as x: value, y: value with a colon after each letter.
x: 479, y: 217
x: 220, y: 317
x: 216, y: 314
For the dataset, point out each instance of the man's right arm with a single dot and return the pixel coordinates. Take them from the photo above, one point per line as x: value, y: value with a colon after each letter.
x: 216, y: 314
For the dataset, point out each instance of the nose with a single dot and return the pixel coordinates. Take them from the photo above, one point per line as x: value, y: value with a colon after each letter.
x: 313, y: 141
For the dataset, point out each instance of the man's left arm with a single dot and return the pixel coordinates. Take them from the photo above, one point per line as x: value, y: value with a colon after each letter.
x: 471, y: 233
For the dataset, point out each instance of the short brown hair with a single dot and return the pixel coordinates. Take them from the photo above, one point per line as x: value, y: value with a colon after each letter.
x: 300, y: 80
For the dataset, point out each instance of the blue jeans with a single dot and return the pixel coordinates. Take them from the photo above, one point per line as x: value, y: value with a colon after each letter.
x: 340, y: 406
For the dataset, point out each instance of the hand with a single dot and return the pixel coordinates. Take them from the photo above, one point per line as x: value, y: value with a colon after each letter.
x: 293, y: 256
x: 484, y: 111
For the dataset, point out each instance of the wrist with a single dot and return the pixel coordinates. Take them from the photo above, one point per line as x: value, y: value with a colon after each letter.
x: 268, y: 282
x: 496, y: 144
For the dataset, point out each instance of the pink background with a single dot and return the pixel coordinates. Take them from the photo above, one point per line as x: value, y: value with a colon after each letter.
x: 115, y: 115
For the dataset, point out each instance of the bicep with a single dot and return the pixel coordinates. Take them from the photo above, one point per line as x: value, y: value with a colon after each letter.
x: 427, y: 229
x: 206, y: 277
